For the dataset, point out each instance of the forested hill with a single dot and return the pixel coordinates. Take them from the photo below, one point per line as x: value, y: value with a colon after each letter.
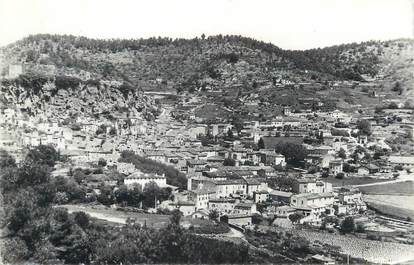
x: 208, y: 61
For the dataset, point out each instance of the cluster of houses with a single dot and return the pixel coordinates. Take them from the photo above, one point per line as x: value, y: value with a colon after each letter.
x: 235, y: 197
x: 229, y: 176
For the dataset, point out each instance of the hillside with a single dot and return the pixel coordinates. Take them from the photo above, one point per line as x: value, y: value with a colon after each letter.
x: 232, y: 66
x: 69, y: 97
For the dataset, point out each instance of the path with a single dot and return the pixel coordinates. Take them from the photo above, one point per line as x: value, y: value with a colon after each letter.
x: 233, y: 233
x: 402, y: 178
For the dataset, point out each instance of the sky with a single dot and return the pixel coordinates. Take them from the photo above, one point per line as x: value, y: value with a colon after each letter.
x: 289, y: 24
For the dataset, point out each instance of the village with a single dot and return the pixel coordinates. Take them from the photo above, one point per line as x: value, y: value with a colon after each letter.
x: 236, y: 172
x: 298, y: 169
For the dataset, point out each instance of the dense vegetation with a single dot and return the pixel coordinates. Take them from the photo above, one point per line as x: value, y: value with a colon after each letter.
x: 35, y: 230
x: 294, y: 153
x: 240, y: 78
x: 137, y: 60
x: 173, y: 176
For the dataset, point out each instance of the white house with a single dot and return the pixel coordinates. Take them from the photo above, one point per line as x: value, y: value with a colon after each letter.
x: 144, y: 178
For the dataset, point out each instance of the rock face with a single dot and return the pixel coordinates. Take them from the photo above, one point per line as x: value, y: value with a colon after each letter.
x: 84, y: 98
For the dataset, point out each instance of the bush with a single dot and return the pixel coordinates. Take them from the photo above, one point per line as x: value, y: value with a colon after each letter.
x: 66, y: 82
x: 337, y: 132
x: 340, y: 175
x: 229, y: 162
x: 348, y: 225
x: 102, y: 162
x: 364, y: 126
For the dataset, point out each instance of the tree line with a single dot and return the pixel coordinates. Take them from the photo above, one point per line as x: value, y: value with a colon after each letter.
x: 347, y: 61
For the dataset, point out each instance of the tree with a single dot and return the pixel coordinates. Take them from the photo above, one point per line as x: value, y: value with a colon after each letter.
x: 340, y: 175
x: 393, y: 105
x: 136, y: 196
x: 342, y: 153
x: 230, y: 134
x: 101, y: 162
x: 175, y: 218
x: 213, y: 215
x: 294, y: 153
x: 14, y: 250
x: 122, y: 194
x: 78, y: 175
x: 151, y: 194
x: 237, y: 123
x: 6, y: 160
x: 348, y: 225
x: 397, y: 87
x: 43, y: 154
x: 229, y: 162
x: 106, y: 197
x: 81, y: 219
x: 261, y: 144
x: 348, y: 168
x: 295, y: 218
x: 112, y: 131
x: 364, y: 126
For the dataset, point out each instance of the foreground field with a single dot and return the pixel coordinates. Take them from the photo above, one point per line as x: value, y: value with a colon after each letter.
x: 372, y: 251
x: 119, y: 217
x: 150, y: 220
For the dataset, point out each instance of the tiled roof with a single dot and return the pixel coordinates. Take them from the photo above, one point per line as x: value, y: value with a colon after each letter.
x: 141, y: 175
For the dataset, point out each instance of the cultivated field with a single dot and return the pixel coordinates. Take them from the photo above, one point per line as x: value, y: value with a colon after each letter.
x: 394, y: 205
x: 353, y: 181
x: 398, y: 188
x: 370, y: 250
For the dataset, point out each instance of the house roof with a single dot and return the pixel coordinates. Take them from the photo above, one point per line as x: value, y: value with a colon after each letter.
x: 200, y: 211
x: 238, y: 216
x: 313, y: 196
x: 244, y: 205
x: 306, y: 180
x: 222, y: 200
x: 215, y: 158
x: 183, y: 203
x: 401, y: 159
x: 230, y: 182
x: 286, y: 208
x: 371, y: 166
x: 202, y: 191
x: 280, y: 193
x: 196, y: 162
x: 254, y: 181
x: 141, y: 175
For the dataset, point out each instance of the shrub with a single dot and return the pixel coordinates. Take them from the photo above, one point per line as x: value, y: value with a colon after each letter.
x: 340, y: 175
x: 347, y: 225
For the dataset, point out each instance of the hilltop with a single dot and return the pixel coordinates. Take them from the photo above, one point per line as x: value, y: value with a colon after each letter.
x: 237, y: 69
